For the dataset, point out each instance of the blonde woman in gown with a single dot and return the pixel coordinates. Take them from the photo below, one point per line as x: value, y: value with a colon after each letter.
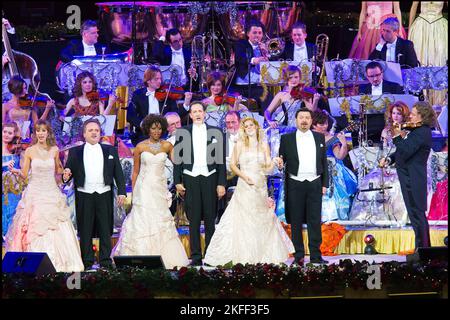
x: 249, y: 231
x: 373, y: 13
x: 429, y: 33
x: 42, y: 221
x: 149, y: 229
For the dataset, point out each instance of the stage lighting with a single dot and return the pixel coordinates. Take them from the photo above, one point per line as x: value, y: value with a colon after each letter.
x: 369, y: 240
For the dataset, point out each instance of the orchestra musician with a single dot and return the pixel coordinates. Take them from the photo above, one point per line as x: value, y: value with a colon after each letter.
x: 298, y: 50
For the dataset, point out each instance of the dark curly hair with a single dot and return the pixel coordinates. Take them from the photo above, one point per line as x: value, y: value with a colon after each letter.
x: 77, y: 91
x: 151, y: 119
x: 319, y: 117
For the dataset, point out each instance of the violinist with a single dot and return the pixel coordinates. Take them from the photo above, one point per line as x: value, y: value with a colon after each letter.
x: 11, y: 187
x: 149, y: 100
x: 411, y: 155
x: 396, y: 113
x: 19, y: 108
x: 282, y: 109
x: 83, y: 103
x: 218, y: 99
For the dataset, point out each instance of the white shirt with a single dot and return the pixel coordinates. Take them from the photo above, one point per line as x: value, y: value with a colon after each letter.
x: 178, y: 58
x: 377, y: 90
x: 199, y: 138
x: 89, y: 50
x: 300, y: 53
x: 390, y: 52
x: 153, y: 104
x: 306, y: 150
x: 93, y: 168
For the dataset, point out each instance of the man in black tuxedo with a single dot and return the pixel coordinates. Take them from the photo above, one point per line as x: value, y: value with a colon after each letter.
x: 199, y: 175
x: 298, y: 50
x: 393, y: 48
x: 144, y: 102
x: 411, y: 156
x: 175, y: 53
x: 95, y: 167
x: 304, y: 154
x: 376, y: 86
x: 248, y: 54
x: 87, y: 46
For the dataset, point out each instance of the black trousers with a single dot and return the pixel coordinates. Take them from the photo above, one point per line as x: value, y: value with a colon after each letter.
x: 416, y: 211
x: 200, y: 204
x: 304, y: 202
x: 94, y: 213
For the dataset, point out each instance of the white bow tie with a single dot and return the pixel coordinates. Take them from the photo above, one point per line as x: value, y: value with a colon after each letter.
x: 177, y: 51
x: 150, y: 93
x: 300, y: 48
x: 389, y: 45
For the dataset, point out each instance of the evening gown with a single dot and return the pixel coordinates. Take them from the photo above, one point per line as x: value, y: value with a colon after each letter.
x: 249, y: 231
x: 149, y: 229
x: 429, y: 33
x: 42, y: 220
x: 343, y: 185
x: 11, y: 191
x: 377, y: 11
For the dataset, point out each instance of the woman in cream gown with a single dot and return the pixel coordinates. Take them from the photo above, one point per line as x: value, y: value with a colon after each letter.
x: 429, y: 33
x: 149, y: 229
x: 249, y: 231
x: 42, y: 220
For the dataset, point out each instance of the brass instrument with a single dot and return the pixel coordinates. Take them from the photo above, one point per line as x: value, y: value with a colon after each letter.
x: 198, y: 59
x: 322, y: 41
x: 273, y: 47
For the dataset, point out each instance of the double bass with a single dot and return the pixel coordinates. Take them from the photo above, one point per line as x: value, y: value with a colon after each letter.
x: 20, y: 64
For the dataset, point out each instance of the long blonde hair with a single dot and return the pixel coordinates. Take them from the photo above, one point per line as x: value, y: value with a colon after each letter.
x: 245, y: 138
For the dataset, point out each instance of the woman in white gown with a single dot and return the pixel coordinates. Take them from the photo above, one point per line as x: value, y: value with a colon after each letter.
x: 149, y: 229
x: 42, y: 221
x: 249, y: 231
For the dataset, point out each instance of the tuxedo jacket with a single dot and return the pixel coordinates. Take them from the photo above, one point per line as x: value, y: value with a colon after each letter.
x: 75, y: 48
x: 112, y: 170
x: 387, y: 87
x: 408, y: 59
x: 288, y: 52
x: 288, y: 150
x: 178, y: 155
x: 411, y: 156
x: 138, y: 109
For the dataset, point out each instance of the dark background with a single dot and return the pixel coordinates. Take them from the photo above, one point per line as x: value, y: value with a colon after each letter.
x: 319, y: 17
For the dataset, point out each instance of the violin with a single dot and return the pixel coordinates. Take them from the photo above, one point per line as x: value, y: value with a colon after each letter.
x: 407, y: 125
x: 302, y: 92
x: 231, y: 99
x: 17, y: 145
x: 95, y: 96
x: 175, y: 93
x: 29, y: 101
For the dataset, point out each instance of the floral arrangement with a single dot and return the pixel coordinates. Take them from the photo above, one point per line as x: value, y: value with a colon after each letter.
x: 245, y: 281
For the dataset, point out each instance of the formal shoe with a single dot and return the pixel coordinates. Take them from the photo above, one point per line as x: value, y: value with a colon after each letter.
x: 298, y: 262
x: 318, y: 261
x: 196, y: 263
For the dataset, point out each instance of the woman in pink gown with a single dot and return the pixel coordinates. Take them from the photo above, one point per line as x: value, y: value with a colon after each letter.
x: 42, y: 221
x: 373, y: 13
x: 439, y: 201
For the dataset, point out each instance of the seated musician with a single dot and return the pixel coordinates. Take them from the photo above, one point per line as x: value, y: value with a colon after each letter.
x: 175, y: 53
x: 298, y: 50
x: 18, y: 109
x: 145, y: 101
x: 376, y: 86
x: 218, y: 101
x: 393, y: 48
x: 248, y: 55
x: 87, y: 46
x: 86, y: 101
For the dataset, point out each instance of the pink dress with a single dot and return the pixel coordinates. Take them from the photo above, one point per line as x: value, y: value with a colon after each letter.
x: 377, y: 12
x: 42, y: 221
x: 439, y: 202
